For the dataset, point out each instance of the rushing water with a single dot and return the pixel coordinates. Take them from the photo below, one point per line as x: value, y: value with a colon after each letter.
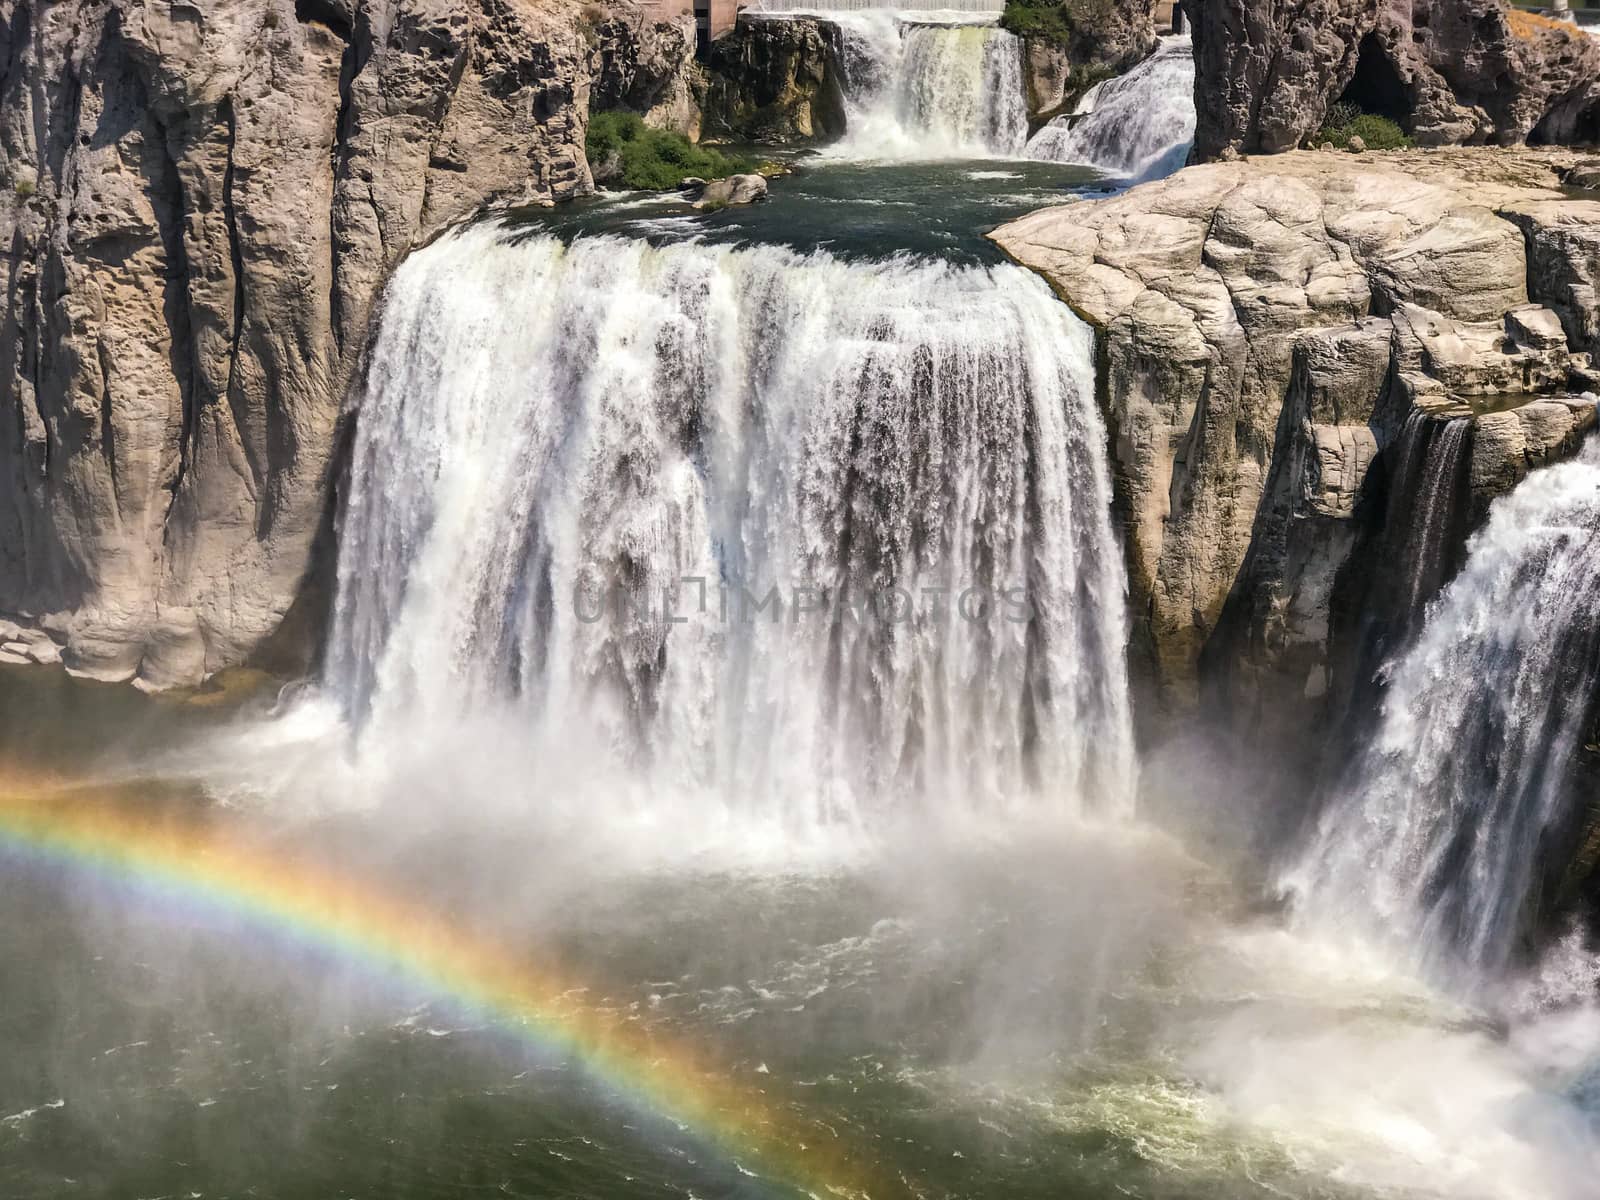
x: 923, y: 88
x: 769, y: 533
x: 1137, y: 126
x: 1436, y: 842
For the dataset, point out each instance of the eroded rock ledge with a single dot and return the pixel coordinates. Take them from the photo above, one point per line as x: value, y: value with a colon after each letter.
x: 1265, y: 328
x: 199, y: 202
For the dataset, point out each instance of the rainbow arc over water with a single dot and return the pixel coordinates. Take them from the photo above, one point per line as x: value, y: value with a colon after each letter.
x: 204, y: 863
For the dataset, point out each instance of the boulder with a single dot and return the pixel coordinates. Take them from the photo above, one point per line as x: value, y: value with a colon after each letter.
x: 735, y: 189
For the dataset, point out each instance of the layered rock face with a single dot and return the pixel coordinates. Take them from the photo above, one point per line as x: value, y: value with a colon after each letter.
x: 200, y: 202
x: 1449, y: 71
x: 1266, y: 329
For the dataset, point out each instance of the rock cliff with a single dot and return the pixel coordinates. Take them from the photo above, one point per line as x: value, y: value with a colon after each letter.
x: 1449, y: 71
x: 200, y: 200
x: 1071, y: 44
x: 1265, y: 329
x: 775, y: 81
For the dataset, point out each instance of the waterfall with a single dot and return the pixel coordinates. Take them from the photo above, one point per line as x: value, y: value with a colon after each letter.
x: 924, y: 89
x: 826, y: 541
x: 1138, y: 126
x: 1437, y: 837
x: 1425, y: 520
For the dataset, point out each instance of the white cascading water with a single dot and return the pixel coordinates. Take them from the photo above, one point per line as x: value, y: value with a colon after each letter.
x: 1137, y: 126
x: 930, y: 87
x: 553, y: 439
x: 1435, y: 842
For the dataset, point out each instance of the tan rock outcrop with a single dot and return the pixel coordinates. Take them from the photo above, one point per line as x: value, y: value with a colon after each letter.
x: 1265, y: 327
x: 200, y: 202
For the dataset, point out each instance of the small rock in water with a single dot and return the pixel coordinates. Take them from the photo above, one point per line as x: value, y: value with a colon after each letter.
x: 735, y: 189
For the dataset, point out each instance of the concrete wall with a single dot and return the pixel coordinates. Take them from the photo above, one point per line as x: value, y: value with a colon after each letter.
x: 715, y: 17
x: 720, y: 15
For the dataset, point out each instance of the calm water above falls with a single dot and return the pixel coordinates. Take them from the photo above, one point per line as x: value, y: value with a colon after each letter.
x: 852, y: 210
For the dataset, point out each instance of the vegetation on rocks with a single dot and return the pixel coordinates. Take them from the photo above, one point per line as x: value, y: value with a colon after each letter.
x: 622, y: 148
x: 1055, y: 20
x: 1346, y: 121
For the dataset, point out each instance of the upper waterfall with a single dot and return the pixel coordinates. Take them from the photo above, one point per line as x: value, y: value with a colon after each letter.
x: 765, y: 533
x: 1438, y: 834
x: 1138, y: 125
x: 930, y: 86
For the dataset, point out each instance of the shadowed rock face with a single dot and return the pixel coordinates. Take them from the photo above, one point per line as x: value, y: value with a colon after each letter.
x: 200, y: 202
x: 1449, y: 71
x: 775, y: 81
x: 1266, y: 328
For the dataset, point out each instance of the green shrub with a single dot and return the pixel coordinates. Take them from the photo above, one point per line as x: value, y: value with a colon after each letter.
x: 1345, y: 121
x: 1055, y: 20
x: 624, y: 148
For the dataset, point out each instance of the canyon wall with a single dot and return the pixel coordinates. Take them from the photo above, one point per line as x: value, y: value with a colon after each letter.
x: 1448, y: 71
x: 1266, y: 328
x: 200, y: 201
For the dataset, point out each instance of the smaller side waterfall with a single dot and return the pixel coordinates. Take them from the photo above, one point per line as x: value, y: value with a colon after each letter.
x: 1438, y: 838
x: 929, y: 89
x: 1426, y: 516
x: 1139, y: 125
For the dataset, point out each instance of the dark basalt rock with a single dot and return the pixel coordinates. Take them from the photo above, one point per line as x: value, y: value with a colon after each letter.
x: 777, y: 82
x: 1448, y: 71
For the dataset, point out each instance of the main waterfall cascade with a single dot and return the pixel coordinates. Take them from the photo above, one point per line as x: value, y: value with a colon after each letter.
x: 581, y: 471
x: 1435, y: 842
x: 1137, y: 126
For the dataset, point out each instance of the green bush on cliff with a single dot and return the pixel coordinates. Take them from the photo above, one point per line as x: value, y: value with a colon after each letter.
x: 1346, y: 121
x: 1054, y: 20
x: 624, y: 149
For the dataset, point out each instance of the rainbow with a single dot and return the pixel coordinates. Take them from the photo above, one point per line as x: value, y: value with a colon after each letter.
x: 180, y: 857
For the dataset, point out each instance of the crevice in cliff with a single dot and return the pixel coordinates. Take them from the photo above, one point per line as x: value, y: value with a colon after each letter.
x: 230, y: 217
x: 1376, y: 86
x: 357, y: 53
x: 108, y: 428
x: 166, y: 200
x: 321, y: 12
